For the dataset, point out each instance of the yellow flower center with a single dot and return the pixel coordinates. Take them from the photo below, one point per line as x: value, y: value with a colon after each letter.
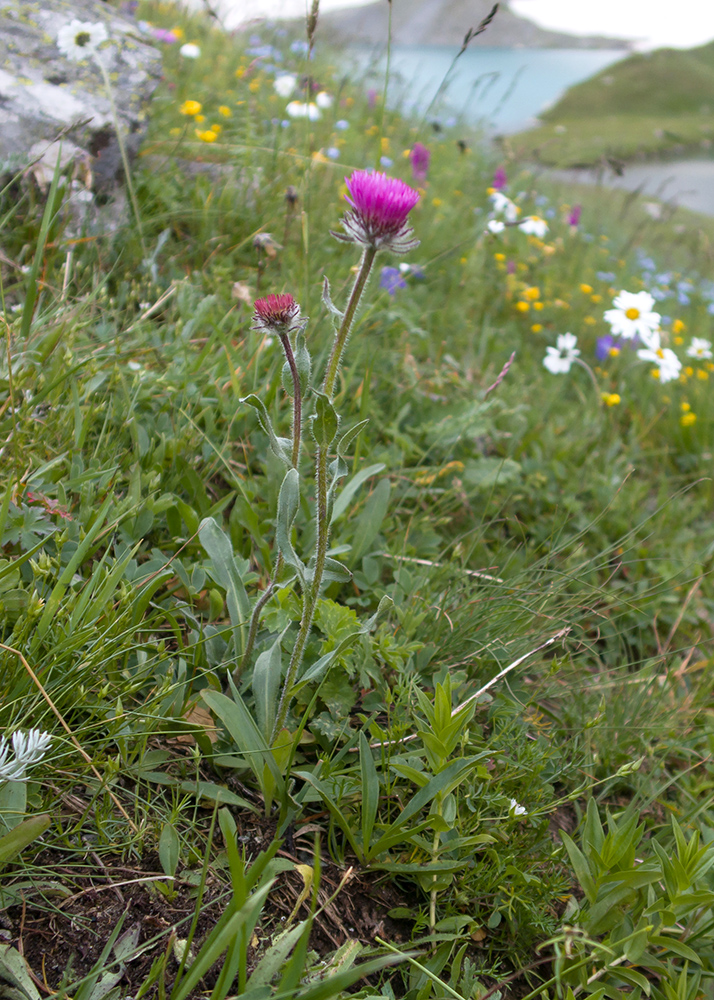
x: 632, y: 313
x: 82, y: 38
x: 659, y: 352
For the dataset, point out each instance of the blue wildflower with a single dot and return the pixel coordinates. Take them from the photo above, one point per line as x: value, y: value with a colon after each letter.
x: 391, y: 279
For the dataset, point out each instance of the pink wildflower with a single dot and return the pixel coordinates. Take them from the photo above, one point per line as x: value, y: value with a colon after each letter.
x: 574, y: 217
x: 276, y: 314
x: 380, y: 206
x: 420, y: 157
x: 499, y: 179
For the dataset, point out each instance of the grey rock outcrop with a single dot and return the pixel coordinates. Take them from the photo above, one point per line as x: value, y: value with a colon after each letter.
x: 46, y: 98
x: 445, y: 22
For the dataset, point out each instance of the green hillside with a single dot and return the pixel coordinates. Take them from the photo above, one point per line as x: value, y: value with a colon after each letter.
x: 650, y: 104
x: 663, y: 82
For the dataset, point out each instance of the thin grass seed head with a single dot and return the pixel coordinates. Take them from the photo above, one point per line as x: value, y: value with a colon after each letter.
x: 380, y: 206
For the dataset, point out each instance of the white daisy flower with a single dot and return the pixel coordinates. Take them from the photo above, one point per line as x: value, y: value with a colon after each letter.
x: 284, y: 85
x: 496, y: 226
x: 298, y: 109
x: 517, y: 809
x: 29, y: 748
x: 503, y: 205
x: 324, y: 100
x: 633, y: 316
x: 534, y: 226
x: 80, y: 40
x: 700, y: 348
x: 190, y: 51
x: 668, y: 364
x: 558, y: 360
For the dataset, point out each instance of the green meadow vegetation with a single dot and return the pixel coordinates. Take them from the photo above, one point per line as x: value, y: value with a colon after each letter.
x: 494, y: 774
x: 650, y: 104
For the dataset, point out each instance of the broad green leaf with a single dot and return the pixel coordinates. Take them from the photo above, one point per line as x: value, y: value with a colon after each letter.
x: 325, y: 422
x: 227, y: 574
x: 265, y: 685
x: 15, y: 974
x: 169, y: 847
x: 370, y: 790
x: 370, y: 520
x: 580, y: 867
x: 345, y: 497
x: 248, y: 738
x: 675, y: 945
x: 12, y: 843
x: 288, y: 503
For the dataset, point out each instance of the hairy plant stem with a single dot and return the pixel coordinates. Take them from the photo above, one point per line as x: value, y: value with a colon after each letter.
x: 312, y: 592
x: 279, y: 562
x: 333, y: 364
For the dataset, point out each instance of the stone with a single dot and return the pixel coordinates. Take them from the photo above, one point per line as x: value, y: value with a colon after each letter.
x: 48, y: 101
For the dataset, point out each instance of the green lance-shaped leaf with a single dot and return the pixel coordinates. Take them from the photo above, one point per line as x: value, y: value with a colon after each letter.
x: 339, y: 468
x: 370, y: 790
x: 370, y: 520
x: 281, y: 447
x: 169, y: 848
x: 288, y: 503
x: 325, y: 422
x: 22, y: 835
x: 227, y: 575
x: 266, y: 684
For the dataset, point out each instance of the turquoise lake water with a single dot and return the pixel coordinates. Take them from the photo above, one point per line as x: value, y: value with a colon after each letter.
x: 503, y: 89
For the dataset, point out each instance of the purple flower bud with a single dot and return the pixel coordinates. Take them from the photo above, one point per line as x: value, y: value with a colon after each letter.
x: 278, y: 314
x: 371, y: 97
x: 420, y: 157
x: 574, y: 217
x: 499, y: 179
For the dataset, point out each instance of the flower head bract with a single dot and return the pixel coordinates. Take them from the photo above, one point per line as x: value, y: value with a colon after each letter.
x: 379, y: 209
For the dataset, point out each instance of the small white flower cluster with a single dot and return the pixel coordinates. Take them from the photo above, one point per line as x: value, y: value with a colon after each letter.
x: 516, y: 809
x: 501, y: 204
x: 632, y: 316
x: 28, y: 749
x: 303, y: 109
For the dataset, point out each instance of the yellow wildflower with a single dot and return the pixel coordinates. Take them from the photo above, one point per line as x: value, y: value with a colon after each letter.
x: 207, y: 136
x: 191, y: 108
x: 224, y: 110
x: 687, y: 419
x: 610, y: 398
x: 522, y: 307
x: 537, y: 327
x: 499, y: 256
x: 702, y: 375
x: 678, y: 326
x: 586, y: 289
x: 532, y: 293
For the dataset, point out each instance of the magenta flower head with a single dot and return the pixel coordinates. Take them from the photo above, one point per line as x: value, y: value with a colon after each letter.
x: 420, y: 157
x: 277, y: 314
x: 378, y: 216
x: 499, y: 179
x: 574, y: 217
